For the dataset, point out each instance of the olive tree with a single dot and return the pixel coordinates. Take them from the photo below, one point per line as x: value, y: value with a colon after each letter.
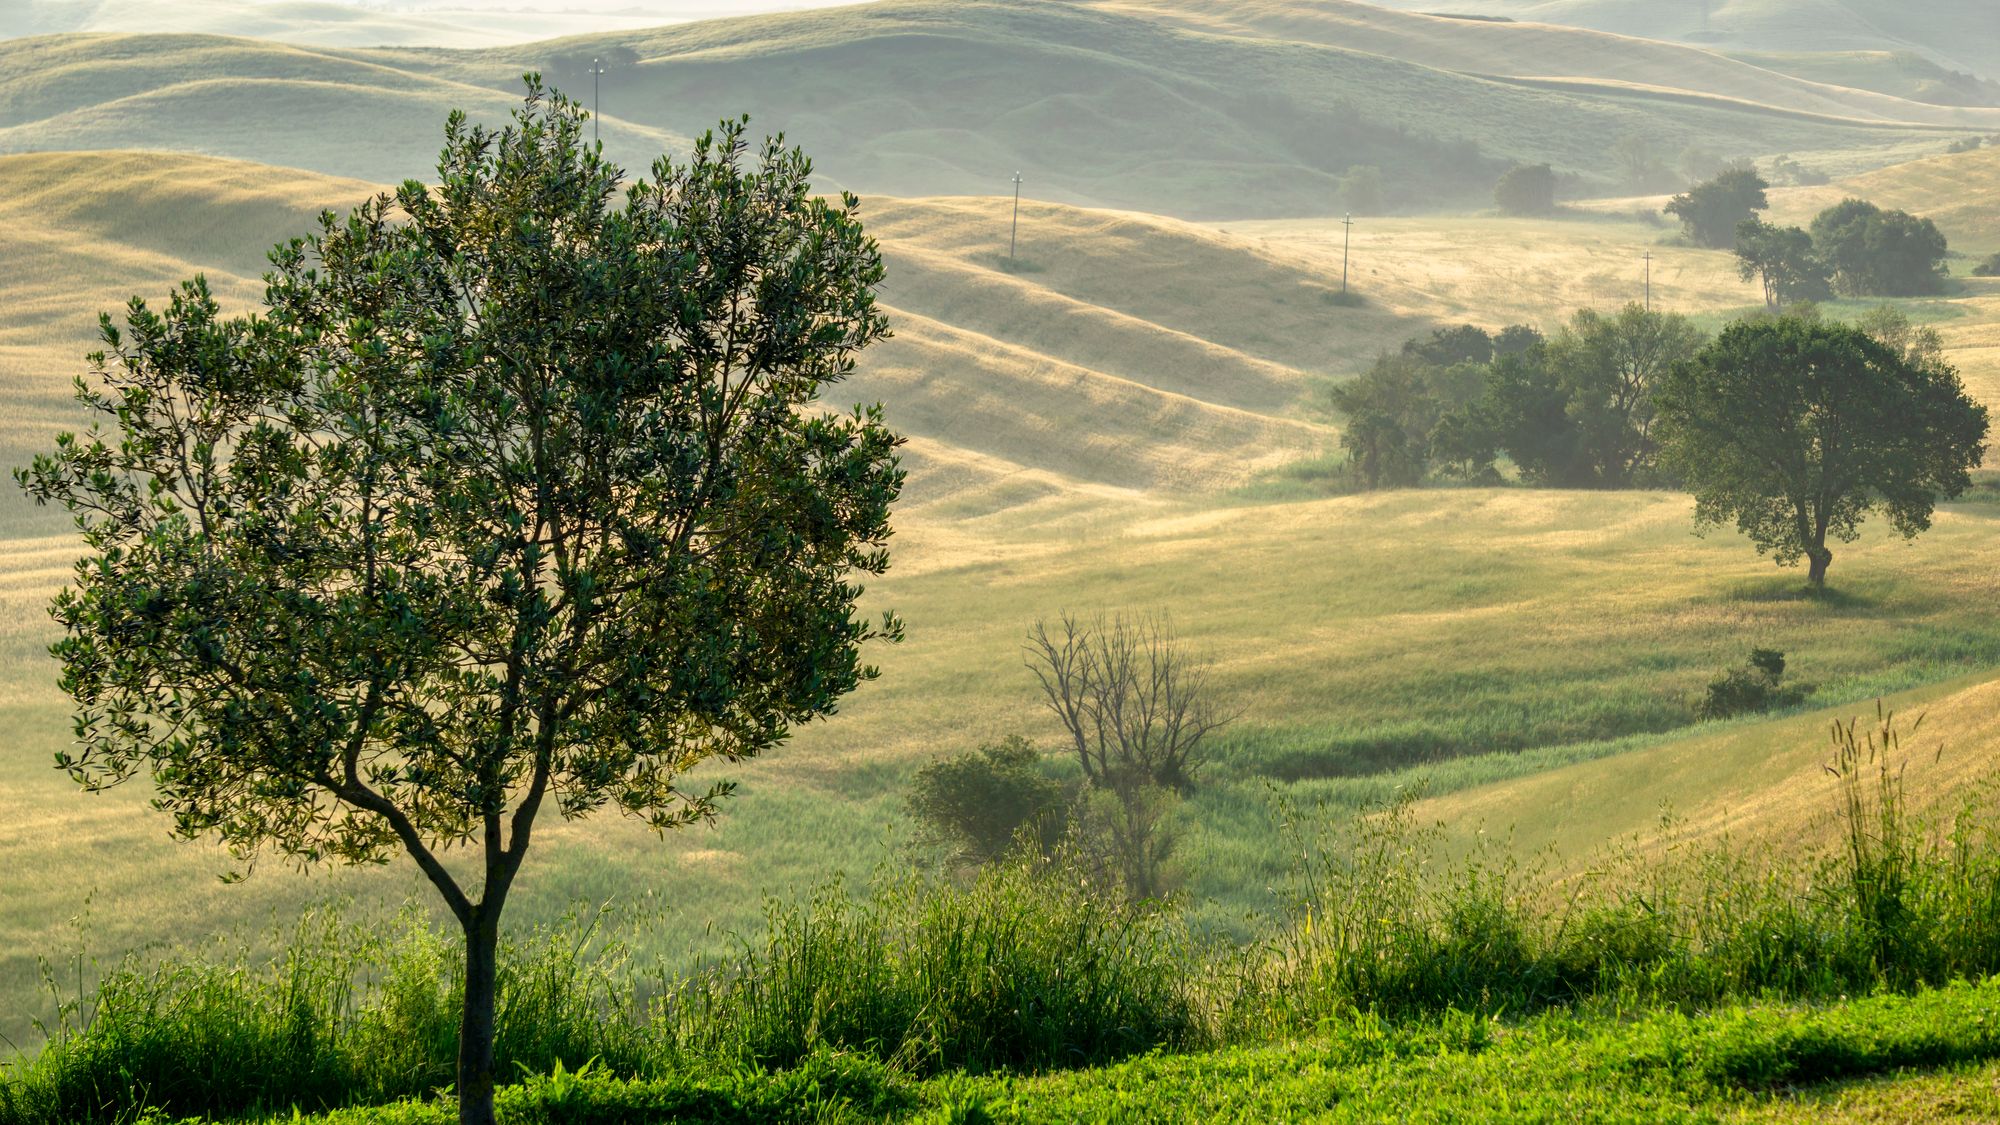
x: 515, y: 498
x: 1796, y: 428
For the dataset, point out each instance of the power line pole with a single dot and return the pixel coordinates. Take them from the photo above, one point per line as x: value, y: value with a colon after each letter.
x: 1346, y: 238
x: 1014, y: 232
x: 596, y: 71
x: 1649, y: 281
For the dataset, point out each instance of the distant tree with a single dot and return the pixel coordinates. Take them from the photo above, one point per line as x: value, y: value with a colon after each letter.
x: 1516, y: 339
x: 1463, y: 343
x: 522, y: 499
x: 1139, y: 710
x: 1526, y: 189
x: 1877, y: 253
x: 1795, y: 429
x: 1609, y: 368
x: 1361, y: 190
x: 1526, y: 415
x: 1711, y: 211
x: 979, y: 804
x: 1637, y: 166
x: 1988, y: 268
x: 1785, y: 170
x: 1697, y: 164
x: 1784, y: 260
x: 571, y: 68
x: 1393, y: 411
x: 1919, y: 345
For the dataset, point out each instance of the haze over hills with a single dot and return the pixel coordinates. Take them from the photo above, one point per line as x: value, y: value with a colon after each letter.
x: 1125, y: 413
x: 368, y: 23
x: 1961, y: 34
x: 918, y: 97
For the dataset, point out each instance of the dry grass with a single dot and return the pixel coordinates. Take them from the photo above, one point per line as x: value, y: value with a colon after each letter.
x: 1070, y: 419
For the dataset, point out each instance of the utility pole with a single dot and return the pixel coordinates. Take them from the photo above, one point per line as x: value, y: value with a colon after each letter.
x: 1649, y: 281
x: 1014, y: 233
x: 1346, y: 238
x: 596, y: 71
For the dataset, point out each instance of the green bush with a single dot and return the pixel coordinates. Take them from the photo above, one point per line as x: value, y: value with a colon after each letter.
x: 977, y: 805
x: 1756, y: 687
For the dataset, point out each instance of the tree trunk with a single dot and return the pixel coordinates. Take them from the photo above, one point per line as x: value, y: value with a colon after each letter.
x: 1818, y: 561
x: 475, y: 1025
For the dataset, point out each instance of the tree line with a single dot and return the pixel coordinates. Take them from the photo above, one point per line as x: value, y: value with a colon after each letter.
x: 1854, y: 248
x: 1793, y: 427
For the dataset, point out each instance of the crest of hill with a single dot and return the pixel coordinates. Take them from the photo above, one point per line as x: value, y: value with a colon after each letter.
x: 1961, y: 34
x: 311, y: 22
x: 1108, y: 108
x: 1538, y: 50
x: 920, y: 97
x: 1090, y: 365
x: 1904, y: 74
x: 364, y: 114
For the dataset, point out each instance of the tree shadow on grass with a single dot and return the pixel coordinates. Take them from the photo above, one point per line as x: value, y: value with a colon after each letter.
x: 1790, y: 588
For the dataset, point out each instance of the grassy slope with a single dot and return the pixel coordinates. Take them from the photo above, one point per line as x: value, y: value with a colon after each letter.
x: 1444, y: 620
x: 1902, y: 74
x: 1953, y: 190
x: 916, y: 97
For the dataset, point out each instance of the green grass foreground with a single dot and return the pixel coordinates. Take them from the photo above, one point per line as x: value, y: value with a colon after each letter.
x: 1740, y: 1062
x: 1402, y: 983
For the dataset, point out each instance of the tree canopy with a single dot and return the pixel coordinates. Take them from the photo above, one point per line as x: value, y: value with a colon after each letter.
x: 518, y: 495
x: 1878, y: 253
x: 1795, y: 429
x: 1711, y: 211
x: 1526, y: 189
x: 1784, y: 260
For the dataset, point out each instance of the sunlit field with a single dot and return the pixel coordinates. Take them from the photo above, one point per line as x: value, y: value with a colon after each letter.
x: 1115, y: 402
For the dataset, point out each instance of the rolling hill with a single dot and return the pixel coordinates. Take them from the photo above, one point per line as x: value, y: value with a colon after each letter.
x: 1961, y: 34
x: 1535, y: 50
x: 1117, y: 352
x: 921, y: 98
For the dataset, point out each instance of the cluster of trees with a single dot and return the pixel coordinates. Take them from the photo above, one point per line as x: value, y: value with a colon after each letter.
x: 1791, y: 427
x: 1572, y: 410
x: 1854, y: 248
x: 1136, y: 708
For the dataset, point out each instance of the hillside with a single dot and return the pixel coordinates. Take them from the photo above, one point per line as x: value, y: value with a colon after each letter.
x: 993, y: 373
x: 1904, y: 74
x: 1536, y: 50
x: 1960, y: 34
x: 1957, y: 191
x: 920, y: 98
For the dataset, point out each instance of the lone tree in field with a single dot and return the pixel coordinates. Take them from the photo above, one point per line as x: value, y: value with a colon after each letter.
x: 1795, y: 429
x: 516, y: 498
x: 1136, y: 703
